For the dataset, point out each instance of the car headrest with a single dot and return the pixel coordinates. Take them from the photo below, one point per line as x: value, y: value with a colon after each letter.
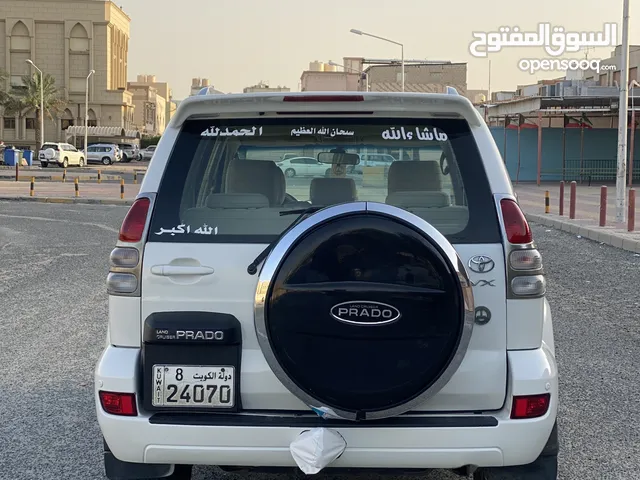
x: 414, y: 176
x: 257, y: 176
x: 329, y: 191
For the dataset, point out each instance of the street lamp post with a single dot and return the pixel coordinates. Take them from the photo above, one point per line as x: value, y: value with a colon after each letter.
x: 360, y: 32
x: 86, y: 115
x: 41, y: 102
x: 632, y: 85
x: 621, y: 197
x: 366, y: 75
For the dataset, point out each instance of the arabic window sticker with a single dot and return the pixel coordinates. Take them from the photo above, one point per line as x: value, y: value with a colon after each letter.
x: 242, y: 132
x: 426, y: 133
x: 182, y: 229
x: 330, y: 132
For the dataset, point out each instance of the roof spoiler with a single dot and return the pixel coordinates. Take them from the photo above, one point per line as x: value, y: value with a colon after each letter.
x: 452, y: 91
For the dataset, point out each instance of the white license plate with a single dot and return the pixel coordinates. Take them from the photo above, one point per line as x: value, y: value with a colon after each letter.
x: 193, y: 386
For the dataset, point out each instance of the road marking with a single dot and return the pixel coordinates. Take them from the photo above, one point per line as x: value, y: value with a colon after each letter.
x: 43, y: 219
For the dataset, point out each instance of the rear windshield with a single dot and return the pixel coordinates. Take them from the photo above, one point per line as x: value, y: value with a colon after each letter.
x: 52, y: 146
x: 228, y: 181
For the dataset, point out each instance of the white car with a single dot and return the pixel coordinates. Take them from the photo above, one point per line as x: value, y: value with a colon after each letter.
x: 129, y: 151
x: 105, y: 154
x: 257, y: 324
x: 147, y: 153
x: 62, y: 154
x: 303, y: 167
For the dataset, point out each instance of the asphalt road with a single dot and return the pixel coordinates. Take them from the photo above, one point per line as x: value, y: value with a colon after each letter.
x: 52, y: 295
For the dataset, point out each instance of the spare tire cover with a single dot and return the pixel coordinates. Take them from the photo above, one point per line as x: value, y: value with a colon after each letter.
x: 49, y: 153
x: 363, y: 314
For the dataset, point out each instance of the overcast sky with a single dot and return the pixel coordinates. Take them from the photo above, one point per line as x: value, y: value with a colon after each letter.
x: 237, y: 43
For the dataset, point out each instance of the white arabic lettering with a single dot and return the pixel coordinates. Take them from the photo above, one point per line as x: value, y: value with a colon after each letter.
x: 332, y: 132
x: 243, y: 132
x: 204, y: 230
x: 402, y: 133
x: 554, y: 40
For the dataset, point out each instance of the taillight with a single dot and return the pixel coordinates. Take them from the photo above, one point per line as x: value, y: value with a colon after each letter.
x: 133, y: 225
x: 114, y: 403
x: 530, y: 406
x: 323, y: 98
x: 515, y: 223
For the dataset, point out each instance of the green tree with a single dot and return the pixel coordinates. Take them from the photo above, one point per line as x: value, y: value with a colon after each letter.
x: 26, y: 98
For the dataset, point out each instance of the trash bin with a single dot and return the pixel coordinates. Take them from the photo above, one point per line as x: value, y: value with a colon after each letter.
x: 10, y: 156
x: 28, y: 156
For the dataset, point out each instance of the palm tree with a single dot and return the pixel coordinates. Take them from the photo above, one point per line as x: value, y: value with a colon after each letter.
x: 26, y: 98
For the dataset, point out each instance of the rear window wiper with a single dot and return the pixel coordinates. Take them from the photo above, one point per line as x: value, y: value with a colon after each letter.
x: 302, y: 212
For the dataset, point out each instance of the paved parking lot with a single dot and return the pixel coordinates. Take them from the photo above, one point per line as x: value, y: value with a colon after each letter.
x: 53, y: 263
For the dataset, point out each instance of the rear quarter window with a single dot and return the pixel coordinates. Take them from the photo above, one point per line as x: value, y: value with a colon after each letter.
x: 224, y: 182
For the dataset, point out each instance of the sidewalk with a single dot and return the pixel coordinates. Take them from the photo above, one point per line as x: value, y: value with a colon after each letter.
x: 586, y: 223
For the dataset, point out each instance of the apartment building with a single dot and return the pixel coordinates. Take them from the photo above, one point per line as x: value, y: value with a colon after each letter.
x: 162, y: 89
x: 150, y: 109
x: 360, y: 74
x: 67, y: 39
x: 264, y: 87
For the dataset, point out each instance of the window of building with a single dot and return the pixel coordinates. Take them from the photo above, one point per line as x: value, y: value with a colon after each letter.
x: 31, y: 123
x: 92, y: 123
x: 66, y: 123
x: 10, y: 123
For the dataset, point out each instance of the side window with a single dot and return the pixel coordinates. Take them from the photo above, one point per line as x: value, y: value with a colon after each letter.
x: 297, y: 161
x: 311, y: 161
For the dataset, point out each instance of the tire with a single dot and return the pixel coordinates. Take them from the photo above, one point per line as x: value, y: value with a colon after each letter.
x: 289, y: 173
x: 181, y: 472
x: 44, y: 164
x: 65, y: 162
x: 544, y: 468
x: 106, y: 161
x: 125, y: 159
x: 81, y: 163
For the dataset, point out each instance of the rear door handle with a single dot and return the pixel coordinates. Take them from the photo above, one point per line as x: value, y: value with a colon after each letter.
x: 175, y: 270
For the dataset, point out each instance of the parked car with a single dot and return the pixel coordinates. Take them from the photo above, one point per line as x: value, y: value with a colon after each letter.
x: 303, y: 167
x: 62, y: 154
x: 148, y: 152
x: 130, y: 151
x: 373, y: 160
x: 104, y: 154
x: 400, y: 327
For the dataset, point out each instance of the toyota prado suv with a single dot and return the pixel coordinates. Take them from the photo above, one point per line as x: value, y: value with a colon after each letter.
x: 342, y: 322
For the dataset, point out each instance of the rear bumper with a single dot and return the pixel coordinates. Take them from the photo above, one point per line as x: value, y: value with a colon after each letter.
x: 450, y: 443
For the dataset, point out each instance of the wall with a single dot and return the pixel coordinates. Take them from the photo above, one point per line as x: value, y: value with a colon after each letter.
x: 599, y: 153
x: 329, y: 82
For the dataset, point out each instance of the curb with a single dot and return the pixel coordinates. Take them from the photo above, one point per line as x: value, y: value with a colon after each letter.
x: 597, y: 234
x: 84, y: 201
x: 58, y: 178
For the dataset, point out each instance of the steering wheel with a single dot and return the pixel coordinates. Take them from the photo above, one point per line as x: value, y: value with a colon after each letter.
x: 444, y: 167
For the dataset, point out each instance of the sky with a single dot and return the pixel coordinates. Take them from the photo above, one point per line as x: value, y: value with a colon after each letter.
x: 238, y: 43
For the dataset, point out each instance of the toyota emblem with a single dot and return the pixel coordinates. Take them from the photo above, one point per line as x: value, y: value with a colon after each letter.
x: 481, y: 264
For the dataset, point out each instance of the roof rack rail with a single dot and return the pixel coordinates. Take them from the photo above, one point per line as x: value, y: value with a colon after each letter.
x: 452, y: 91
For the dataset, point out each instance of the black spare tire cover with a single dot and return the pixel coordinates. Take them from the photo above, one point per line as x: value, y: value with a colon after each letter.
x: 364, y: 314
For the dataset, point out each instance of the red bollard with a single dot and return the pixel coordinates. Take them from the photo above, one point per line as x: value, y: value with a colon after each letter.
x: 572, y: 201
x: 561, y: 207
x: 603, y: 205
x: 632, y: 210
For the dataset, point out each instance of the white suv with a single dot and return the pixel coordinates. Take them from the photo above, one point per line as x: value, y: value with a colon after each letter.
x: 256, y: 322
x: 62, y: 154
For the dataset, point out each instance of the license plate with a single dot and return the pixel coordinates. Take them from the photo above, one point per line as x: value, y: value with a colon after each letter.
x: 193, y: 386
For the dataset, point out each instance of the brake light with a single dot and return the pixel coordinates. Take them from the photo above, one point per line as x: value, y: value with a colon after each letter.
x: 133, y: 225
x: 123, y: 404
x: 323, y: 98
x: 515, y: 223
x: 530, y: 406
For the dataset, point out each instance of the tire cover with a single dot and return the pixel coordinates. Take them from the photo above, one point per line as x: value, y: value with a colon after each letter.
x: 363, y: 311
x: 49, y: 153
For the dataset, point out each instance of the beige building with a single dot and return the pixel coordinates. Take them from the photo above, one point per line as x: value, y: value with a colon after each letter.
x: 162, y: 89
x: 360, y: 74
x: 150, y: 109
x: 197, y: 84
x: 67, y: 39
x: 263, y: 87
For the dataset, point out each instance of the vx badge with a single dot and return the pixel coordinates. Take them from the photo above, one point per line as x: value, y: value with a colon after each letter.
x: 481, y: 264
